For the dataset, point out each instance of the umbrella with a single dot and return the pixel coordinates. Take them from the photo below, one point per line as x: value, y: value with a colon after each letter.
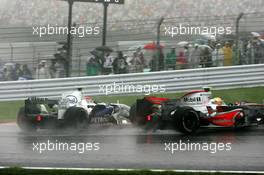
x: 152, y: 46
x: 201, y: 41
x: 205, y: 47
x: 104, y: 49
x: 182, y: 43
x: 95, y: 53
x: 255, y: 34
x: 135, y: 47
x: 209, y: 36
x: 132, y: 49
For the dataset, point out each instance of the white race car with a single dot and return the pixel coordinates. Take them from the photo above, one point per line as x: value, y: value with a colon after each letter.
x: 72, y: 110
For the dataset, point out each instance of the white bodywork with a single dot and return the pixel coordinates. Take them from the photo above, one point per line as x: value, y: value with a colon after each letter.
x: 198, y: 100
x: 74, y: 99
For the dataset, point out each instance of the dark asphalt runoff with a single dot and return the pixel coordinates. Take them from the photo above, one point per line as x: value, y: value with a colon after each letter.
x: 130, y: 147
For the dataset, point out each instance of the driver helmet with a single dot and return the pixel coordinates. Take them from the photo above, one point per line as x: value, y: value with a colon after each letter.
x: 155, y: 107
x: 218, y: 101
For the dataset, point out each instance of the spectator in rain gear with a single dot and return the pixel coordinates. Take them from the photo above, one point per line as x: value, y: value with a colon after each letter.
x: 261, y: 52
x: 186, y: 52
x: 249, y: 53
x: 92, y: 67
x: 257, y: 51
x: 9, y: 72
x: 171, y: 59
x: 42, y: 71
x: 108, y: 64
x: 136, y: 63
x: 26, y: 73
x: 60, y: 69
x: 161, y: 59
x: 218, y: 56
x: 17, y: 72
x: 228, y: 53
x: 181, y: 61
x: 194, y: 57
x: 206, y: 57
x: 120, y: 64
x: 4, y: 74
x: 154, y: 64
x: 140, y: 55
x: 157, y: 62
x: 52, y: 69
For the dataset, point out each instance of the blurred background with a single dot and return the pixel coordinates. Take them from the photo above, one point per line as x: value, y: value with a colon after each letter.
x: 131, y: 43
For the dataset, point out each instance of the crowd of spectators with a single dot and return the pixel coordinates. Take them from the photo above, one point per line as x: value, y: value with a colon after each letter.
x: 44, y: 70
x: 189, y: 56
x: 50, y: 69
x: 12, y: 72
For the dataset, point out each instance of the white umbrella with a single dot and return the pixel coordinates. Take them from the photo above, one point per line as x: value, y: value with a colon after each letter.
x: 209, y: 36
x: 182, y: 43
x: 255, y: 34
x: 204, y: 46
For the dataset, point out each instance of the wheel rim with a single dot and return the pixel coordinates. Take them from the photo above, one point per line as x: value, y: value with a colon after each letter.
x: 190, y: 121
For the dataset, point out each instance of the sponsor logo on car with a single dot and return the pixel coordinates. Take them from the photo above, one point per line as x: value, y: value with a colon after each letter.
x: 192, y: 99
x: 71, y: 99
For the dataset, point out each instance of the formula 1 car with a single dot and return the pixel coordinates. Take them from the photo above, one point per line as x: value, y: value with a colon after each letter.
x: 193, y: 110
x: 72, y: 110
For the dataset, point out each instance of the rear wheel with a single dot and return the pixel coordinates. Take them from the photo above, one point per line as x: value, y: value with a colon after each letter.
x: 133, y: 113
x: 76, y: 118
x: 24, y: 123
x: 187, y: 120
x: 135, y: 118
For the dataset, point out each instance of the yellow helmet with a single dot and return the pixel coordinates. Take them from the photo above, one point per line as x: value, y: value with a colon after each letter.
x: 218, y: 100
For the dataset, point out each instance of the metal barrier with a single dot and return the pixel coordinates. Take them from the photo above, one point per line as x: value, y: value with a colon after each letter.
x: 172, y: 81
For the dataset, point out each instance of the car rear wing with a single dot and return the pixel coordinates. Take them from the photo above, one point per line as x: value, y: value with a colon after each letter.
x: 35, y: 105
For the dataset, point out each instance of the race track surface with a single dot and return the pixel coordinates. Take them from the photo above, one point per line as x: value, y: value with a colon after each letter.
x: 130, y: 147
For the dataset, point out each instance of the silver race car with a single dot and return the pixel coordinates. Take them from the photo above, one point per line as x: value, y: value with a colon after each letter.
x: 72, y: 110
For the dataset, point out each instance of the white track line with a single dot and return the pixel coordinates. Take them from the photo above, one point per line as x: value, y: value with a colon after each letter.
x: 8, y: 123
x: 154, y: 170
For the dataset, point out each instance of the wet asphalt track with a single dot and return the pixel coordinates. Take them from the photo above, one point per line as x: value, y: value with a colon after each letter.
x: 129, y: 147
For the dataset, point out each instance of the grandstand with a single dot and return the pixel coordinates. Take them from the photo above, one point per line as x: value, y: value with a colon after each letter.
x: 39, y: 12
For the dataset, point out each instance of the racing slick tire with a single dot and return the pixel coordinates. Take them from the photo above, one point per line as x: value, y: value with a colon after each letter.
x: 76, y: 118
x: 134, y: 118
x: 24, y: 123
x: 187, y: 120
x: 133, y: 113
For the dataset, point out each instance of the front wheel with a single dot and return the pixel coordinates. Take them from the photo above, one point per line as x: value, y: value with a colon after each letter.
x: 76, y: 118
x: 187, y: 120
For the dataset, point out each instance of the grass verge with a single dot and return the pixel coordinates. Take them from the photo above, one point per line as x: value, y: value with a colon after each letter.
x: 8, y: 110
